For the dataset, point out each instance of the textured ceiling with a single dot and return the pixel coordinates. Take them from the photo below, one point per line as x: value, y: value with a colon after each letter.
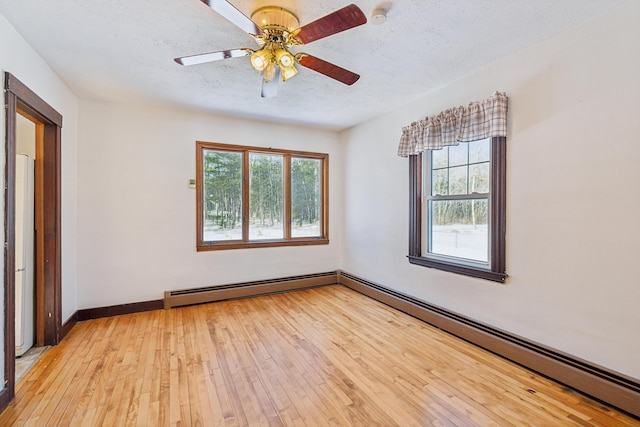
x: 123, y: 50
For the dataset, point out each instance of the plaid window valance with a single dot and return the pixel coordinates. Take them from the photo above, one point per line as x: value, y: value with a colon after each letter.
x: 478, y: 120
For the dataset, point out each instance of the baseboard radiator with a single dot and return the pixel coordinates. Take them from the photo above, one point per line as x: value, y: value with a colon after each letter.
x: 613, y: 388
x: 247, y: 289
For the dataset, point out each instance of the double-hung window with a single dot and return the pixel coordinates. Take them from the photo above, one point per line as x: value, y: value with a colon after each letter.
x: 458, y: 209
x: 257, y: 197
x: 457, y: 188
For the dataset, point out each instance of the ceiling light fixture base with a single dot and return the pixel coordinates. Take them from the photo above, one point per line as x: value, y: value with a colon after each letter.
x: 270, y: 17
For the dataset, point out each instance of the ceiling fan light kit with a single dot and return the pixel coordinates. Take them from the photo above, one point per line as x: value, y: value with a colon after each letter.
x: 277, y: 24
x: 276, y: 30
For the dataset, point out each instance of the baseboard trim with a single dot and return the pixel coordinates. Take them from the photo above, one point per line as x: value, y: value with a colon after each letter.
x: 611, y: 387
x: 247, y: 289
x: 116, y: 310
x: 66, y: 327
x: 6, y: 396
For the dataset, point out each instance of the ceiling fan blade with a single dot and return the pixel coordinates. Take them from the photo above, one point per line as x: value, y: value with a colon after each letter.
x: 340, y: 20
x: 213, y: 56
x: 270, y: 87
x: 229, y: 11
x: 328, y: 69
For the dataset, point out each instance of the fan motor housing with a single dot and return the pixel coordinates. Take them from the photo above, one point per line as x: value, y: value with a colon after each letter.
x: 273, y: 17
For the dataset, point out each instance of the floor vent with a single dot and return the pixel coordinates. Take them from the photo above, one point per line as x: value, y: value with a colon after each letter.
x: 247, y: 289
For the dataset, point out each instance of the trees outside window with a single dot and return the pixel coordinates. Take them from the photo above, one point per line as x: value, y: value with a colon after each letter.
x: 256, y: 197
x: 306, y: 203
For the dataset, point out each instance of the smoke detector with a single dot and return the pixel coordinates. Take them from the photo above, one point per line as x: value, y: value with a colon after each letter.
x: 378, y: 16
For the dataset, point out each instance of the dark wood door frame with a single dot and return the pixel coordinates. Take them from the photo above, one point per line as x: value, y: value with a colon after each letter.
x: 20, y: 99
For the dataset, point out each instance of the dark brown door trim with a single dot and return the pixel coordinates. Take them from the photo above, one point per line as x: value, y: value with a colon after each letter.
x: 20, y: 99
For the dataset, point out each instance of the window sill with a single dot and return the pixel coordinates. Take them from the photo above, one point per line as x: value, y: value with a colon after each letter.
x: 459, y: 269
x: 211, y: 246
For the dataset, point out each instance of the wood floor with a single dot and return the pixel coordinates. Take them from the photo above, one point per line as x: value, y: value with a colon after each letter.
x: 324, y: 356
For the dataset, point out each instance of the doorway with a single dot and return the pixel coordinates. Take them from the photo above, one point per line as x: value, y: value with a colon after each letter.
x: 21, y: 101
x: 28, y: 352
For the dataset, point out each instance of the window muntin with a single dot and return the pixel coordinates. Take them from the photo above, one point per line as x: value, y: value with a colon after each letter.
x: 457, y: 209
x: 457, y: 202
x: 252, y: 197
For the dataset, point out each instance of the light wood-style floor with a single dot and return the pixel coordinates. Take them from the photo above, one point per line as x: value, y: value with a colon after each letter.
x: 324, y: 356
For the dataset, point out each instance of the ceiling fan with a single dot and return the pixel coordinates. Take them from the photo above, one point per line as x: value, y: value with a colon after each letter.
x: 276, y: 30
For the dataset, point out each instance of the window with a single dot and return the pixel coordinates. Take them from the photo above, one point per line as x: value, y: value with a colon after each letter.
x: 457, y: 215
x: 259, y: 197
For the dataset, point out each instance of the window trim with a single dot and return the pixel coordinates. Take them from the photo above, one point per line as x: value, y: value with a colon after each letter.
x: 206, y: 245
x: 497, y: 220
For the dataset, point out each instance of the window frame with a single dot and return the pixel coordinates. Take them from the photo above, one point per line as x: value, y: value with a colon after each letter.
x: 495, y: 271
x: 287, y: 240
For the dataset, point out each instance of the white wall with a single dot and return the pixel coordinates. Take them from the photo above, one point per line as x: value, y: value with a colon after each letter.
x: 573, y: 200
x: 18, y: 58
x: 136, y: 213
